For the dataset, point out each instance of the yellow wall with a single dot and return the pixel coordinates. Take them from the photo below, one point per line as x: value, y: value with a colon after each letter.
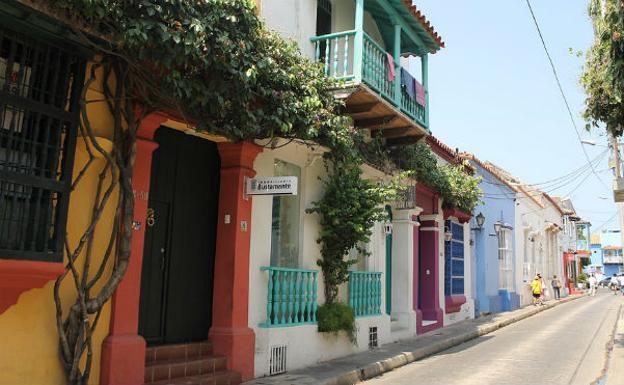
x: 28, y: 335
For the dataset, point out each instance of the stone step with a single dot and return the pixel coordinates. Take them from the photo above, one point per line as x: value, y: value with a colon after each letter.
x: 218, y: 378
x: 190, y: 350
x: 183, y: 367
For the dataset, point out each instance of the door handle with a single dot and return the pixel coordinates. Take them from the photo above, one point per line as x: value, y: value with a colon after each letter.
x: 162, y: 258
x: 151, y: 217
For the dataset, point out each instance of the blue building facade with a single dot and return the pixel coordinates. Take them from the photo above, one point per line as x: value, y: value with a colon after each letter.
x: 494, y: 244
x: 611, y: 252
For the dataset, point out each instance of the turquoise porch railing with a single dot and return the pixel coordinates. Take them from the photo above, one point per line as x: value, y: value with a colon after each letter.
x: 291, y: 297
x: 337, y: 53
x: 365, y: 293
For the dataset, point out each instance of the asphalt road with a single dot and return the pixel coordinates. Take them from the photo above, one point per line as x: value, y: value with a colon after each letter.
x: 563, y: 345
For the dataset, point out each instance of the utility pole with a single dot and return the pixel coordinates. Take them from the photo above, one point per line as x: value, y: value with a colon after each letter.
x: 617, y: 186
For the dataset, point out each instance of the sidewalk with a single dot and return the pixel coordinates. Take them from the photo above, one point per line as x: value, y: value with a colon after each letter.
x: 615, y: 368
x: 362, y: 366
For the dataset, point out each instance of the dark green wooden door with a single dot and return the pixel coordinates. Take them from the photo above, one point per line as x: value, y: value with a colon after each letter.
x: 178, y: 260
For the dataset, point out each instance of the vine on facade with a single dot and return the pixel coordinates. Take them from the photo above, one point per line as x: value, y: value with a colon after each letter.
x: 217, y: 65
x: 457, y: 188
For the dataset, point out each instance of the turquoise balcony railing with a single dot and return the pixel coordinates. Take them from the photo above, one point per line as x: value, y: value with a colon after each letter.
x: 365, y: 293
x: 338, y: 53
x: 291, y: 297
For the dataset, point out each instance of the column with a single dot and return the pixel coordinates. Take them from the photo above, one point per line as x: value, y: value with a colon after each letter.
x: 230, y: 333
x: 425, y: 78
x: 358, y: 44
x: 123, y: 350
x: 396, y: 55
x: 403, y: 252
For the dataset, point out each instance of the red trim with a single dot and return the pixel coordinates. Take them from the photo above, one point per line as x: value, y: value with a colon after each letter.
x: 427, y: 199
x: 123, y: 351
x: 17, y: 276
x: 462, y: 216
x: 453, y: 303
x: 442, y: 150
x: 230, y: 332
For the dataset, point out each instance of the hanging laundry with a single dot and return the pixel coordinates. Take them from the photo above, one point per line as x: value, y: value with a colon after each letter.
x: 408, y: 83
x: 420, y: 94
x: 390, y: 64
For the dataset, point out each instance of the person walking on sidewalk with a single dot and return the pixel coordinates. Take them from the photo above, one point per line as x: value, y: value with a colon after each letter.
x: 556, y: 285
x: 614, y: 284
x: 536, y: 289
x: 593, y: 282
x: 543, y: 295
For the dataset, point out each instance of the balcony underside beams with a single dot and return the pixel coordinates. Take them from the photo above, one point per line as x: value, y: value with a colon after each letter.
x: 371, y: 111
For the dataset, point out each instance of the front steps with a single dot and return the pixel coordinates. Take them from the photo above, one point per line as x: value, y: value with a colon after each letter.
x: 188, y: 363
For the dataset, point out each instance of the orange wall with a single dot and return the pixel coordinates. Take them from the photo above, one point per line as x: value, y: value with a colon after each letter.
x: 28, y: 335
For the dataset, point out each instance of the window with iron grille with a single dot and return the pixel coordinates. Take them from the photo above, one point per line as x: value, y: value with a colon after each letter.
x: 39, y: 87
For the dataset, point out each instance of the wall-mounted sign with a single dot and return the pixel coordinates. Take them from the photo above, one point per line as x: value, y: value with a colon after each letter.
x: 272, y: 185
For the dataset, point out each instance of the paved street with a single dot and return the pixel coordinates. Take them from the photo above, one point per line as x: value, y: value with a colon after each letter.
x: 564, y: 345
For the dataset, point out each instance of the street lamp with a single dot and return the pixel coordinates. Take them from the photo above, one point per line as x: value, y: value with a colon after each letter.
x: 479, y: 221
x: 448, y: 235
x: 497, y: 226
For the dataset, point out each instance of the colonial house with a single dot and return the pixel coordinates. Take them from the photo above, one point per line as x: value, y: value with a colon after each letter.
x: 494, y: 251
x: 222, y: 285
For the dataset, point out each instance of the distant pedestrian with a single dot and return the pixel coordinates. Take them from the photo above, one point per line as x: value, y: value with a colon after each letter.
x: 536, y: 289
x: 593, y: 282
x: 543, y: 286
x: 556, y: 285
x: 614, y: 284
x: 621, y: 280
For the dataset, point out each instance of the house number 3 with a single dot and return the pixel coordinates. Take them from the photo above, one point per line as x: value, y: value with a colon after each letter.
x: 151, y: 219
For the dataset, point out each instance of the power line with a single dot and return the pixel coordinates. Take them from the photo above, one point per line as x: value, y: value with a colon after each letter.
x: 585, y: 172
x: 565, y: 99
x: 607, y: 221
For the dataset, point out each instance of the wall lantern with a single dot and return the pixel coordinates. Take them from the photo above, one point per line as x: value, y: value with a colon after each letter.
x: 498, y: 226
x: 448, y: 235
x: 480, y: 218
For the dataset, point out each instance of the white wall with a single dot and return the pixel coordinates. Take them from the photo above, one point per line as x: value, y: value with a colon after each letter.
x: 527, y: 223
x: 306, y: 345
x: 293, y: 19
x: 296, y: 20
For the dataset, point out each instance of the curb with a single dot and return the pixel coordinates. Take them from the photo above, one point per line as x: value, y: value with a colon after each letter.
x: 380, y: 367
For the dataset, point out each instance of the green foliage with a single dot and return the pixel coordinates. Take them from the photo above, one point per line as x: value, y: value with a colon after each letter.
x: 456, y: 187
x: 335, y: 316
x: 603, y: 77
x: 462, y: 189
x: 218, y: 64
x: 348, y: 209
x: 581, y: 278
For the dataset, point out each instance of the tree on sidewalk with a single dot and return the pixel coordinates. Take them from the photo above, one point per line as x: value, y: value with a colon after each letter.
x: 603, y: 77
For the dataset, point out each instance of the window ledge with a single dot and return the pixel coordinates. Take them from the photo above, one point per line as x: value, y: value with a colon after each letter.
x: 452, y: 303
x: 17, y: 276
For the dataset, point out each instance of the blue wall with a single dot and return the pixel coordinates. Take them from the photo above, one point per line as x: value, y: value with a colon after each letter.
x: 499, y: 204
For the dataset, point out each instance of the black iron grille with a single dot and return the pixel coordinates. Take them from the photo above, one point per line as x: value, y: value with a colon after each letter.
x: 39, y: 88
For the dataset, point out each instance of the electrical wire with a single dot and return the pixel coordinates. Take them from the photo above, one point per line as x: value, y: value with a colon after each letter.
x: 565, y: 99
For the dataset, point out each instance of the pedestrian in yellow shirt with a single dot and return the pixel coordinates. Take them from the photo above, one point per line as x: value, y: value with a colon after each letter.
x: 536, y: 289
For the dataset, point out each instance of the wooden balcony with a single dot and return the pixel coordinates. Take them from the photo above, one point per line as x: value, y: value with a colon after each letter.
x: 374, y: 98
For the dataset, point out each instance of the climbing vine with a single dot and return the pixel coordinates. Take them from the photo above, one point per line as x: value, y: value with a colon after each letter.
x: 456, y: 187
x: 348, y: 209
x: 215, y: 64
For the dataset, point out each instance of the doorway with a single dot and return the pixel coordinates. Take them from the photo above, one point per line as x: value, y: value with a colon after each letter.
x: 180, y: 237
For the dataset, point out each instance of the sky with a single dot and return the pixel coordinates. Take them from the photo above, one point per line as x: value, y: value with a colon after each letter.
x: 492, y: 93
